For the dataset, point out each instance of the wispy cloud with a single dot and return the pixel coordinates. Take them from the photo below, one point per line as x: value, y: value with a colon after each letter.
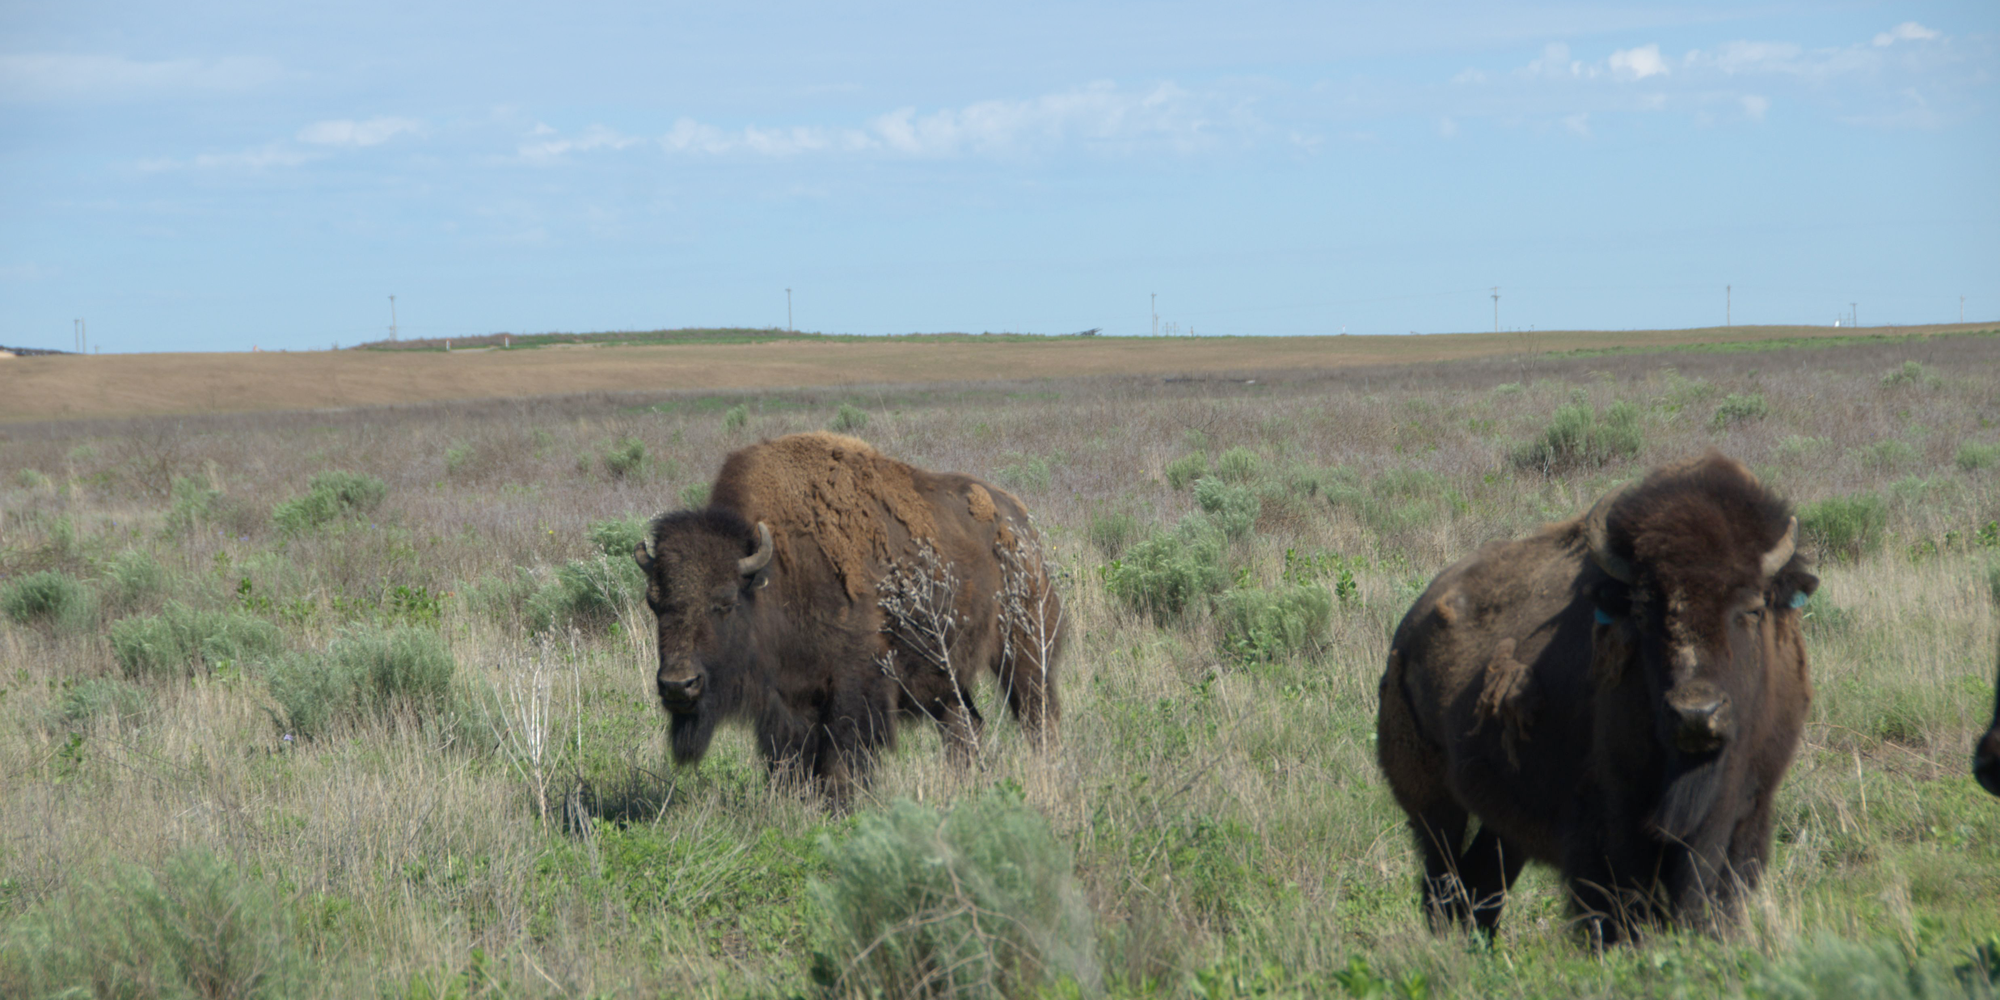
x: 347, y: 132
x: 1908, y: 31
x: 1639, y: 63
x: 545, y: 144
x: 27, y: 78
x: 1099, y: 116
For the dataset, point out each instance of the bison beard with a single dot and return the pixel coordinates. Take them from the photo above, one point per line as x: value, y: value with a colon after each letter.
x: 1619, y: 695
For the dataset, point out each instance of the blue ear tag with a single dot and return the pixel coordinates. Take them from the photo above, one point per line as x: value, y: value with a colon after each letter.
x: 1602, y: 618
x: 1799, y: 598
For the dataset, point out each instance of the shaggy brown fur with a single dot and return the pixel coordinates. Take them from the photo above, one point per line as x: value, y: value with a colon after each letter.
x: 802, y: 647
x: 1639, y: 756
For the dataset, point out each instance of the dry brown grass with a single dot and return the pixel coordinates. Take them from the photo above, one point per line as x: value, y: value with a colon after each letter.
x: 70, y: 387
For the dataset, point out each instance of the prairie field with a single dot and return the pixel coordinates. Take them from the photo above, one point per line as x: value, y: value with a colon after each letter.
x: 360, y: 702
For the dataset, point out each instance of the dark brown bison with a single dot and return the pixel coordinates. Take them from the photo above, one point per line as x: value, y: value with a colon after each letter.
x: 1986, y: 756
x: 827, y: 590
x: 1618, y: 695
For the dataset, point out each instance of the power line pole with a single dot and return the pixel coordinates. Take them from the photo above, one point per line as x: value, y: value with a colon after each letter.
x: 1156, y: 312
x: 1961, y: 309
x: 1726, y: 320
x: 1853, y: 314
x: 788, y: 310
x: 1496, y: 308
x: 392, y: 318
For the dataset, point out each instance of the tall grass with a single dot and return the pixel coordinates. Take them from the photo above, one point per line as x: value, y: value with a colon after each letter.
x: 1212, y: 804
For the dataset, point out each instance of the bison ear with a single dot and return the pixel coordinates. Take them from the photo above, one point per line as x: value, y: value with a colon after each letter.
x: 643, y: 555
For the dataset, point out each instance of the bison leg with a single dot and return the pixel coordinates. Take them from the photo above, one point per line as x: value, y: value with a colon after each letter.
x: 1440, y: 829
x: 1486, y: 871
x: 960, y: 724
x: 1031, y: 696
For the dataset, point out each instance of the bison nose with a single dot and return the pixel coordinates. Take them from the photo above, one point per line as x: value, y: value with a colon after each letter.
x: 680, y: 692
x: 1704, y: 717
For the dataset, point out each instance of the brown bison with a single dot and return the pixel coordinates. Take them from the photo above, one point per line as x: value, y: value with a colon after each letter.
x: 1618, y: 695
x: 827, y: 590
x: 1986, y: 756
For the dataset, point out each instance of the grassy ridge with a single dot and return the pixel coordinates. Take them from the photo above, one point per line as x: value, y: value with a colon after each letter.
x: 400, y: 741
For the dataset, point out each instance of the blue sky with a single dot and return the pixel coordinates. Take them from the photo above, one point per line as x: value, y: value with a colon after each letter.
x: 212, y: 175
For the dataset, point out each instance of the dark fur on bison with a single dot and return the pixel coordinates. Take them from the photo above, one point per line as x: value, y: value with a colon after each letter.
x: 1618, y: 695
x: 827, y: 590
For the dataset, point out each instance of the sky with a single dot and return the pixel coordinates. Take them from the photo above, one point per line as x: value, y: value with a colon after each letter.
x: 214, y: 175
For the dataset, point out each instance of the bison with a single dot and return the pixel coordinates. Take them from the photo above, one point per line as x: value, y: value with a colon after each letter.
x: 1986, y: 756
x: 1617, y: 695
x: 827, y: 590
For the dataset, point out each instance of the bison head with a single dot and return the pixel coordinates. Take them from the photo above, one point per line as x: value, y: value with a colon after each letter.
x: 703, y: 572
x: 1704, y: 583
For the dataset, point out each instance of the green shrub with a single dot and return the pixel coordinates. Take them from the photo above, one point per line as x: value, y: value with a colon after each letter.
x: 619, y: 536
x: 1580, y: 437
x: 50, y: 598
x: 1263, y: 625
x: 459, y: 458
x: 1832, y: 969
x: 30, y: 479
x: 587, y: 593
x: 1395, y: 501
x: 366, y: 668
x: 1911, y: 374
x: 88, y: 699
x: 192, y: 502
x: 1232, y: 508
x: 1183, y: 471
x: 736, y: 418
x: 134, y: 576
x: 1112, y: 532
x: 1845, y: 527
x: 1028, y: 474
x: 195, y: 929
x: 1974, y: 455
x: 1170, y: 573
x: 1238, y: 465
x: 694, y: 496
x: 180, y: 641
x: 981, y: 902
x: 849, y: 418
x: 332, y: 495
x: 1887, y: 456
x: 623, y: 458
x: 1739, y: 408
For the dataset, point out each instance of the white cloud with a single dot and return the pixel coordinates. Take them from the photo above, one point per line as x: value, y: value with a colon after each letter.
x: 36, y: 77
x: 1554, y: 62
x: 1100, y: 115
x: 346, y: 132
x: 1447, y: 127
x: 1469, y: 76
x: 593, y: 138
x: 1754, y: 106
x: 1908, y: 31
x: 1578, y: 123
x: 1639, y: 63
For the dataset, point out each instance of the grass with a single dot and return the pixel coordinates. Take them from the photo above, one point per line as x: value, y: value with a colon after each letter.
x: 1210, y: 824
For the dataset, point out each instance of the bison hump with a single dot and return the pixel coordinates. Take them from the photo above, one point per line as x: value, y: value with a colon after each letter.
x: 834, y: 489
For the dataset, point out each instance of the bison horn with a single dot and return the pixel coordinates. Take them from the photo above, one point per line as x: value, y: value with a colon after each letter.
x: 759, y: 559
x: 1598, y: 532
x: 1781, y: 553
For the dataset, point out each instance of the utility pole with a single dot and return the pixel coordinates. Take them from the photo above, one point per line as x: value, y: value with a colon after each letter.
x: 83, y: 331
x: 1156, y: 312
x: 788, y: 310
x: 1726, y: 321
x: 1961, y: 309
x: 392, y: 318
x: 1853, y: 314
x: 1496, y: 308
x: 76, y: 335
